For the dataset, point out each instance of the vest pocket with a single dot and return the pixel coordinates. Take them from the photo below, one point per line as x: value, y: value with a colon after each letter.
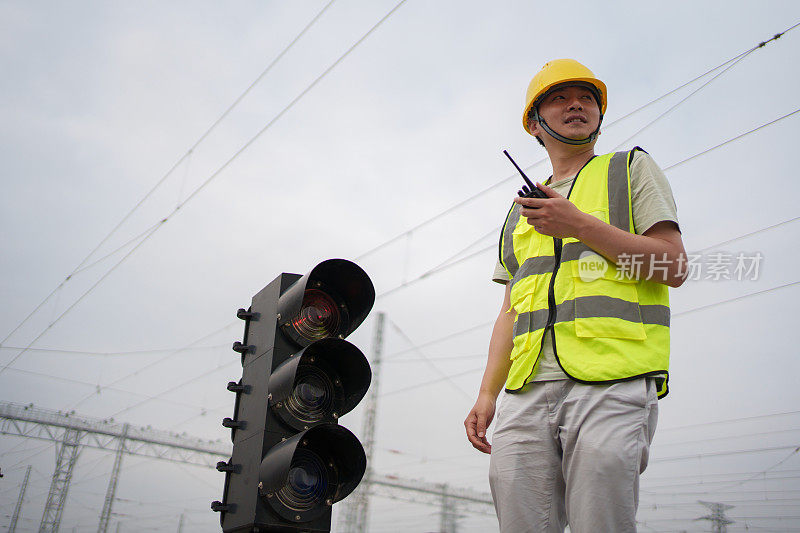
x: 526, y: 335
x: 604, y: 305
x: 525, y: 340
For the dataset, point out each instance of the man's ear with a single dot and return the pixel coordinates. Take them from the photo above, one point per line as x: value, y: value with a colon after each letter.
x: 533, y: 127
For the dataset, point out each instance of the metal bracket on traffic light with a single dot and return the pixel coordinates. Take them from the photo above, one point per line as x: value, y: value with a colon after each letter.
x: 246, y: 314
x: 238, y: 347
x: 233, y: 386
x: 219, y: 507
x: 222, y: 466
x: 233, y: 424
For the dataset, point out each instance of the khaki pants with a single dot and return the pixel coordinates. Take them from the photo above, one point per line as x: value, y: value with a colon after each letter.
x: 567, y: 453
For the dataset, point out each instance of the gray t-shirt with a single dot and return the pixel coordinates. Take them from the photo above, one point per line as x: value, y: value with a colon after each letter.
x: 652, y: 202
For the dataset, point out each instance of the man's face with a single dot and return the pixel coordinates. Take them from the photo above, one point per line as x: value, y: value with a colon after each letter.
x: 570, y: 111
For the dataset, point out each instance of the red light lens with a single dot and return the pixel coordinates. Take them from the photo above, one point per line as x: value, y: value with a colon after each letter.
x: 319, y: 316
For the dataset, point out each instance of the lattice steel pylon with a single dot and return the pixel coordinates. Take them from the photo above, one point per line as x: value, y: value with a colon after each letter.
x: 18, y: 508
x: 717, y: 517
x: 448, y: 517
x: 105, y: 515
x: 66, y: 457
x: 74, y: 432
x: 356, y: 513
x: 452, y: 501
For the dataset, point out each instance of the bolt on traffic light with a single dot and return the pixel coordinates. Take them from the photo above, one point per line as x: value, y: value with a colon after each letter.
x: 291, y: 459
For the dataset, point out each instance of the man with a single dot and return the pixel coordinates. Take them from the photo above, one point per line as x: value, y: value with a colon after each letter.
x: 582, y: 339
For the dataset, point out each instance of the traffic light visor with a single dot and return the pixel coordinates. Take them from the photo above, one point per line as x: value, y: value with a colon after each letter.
x: 303, y: 476
x: 330, y: 301
x: 320, y: 383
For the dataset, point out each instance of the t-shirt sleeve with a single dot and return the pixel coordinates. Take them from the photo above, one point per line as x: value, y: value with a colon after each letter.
x: 651, y: 195
x: 500, y: 274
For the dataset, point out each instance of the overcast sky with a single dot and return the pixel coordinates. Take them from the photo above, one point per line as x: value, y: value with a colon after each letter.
x: 101, y: 100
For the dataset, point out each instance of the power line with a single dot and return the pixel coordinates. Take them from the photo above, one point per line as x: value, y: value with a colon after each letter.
x: 217, y: 172
x: 446, y: 262
x: 450, y: 262
x: 735, y: 62
x: 749, y: 502
x: 431, y: 382
x: 723, y: 453
x: 452, y: 208
x: 161, y: 360
x: 737, y: 298
x: 762, y: 477
x: 445, y: 265
x: 694, y: 475
x: 756, y: 232
x: 81, y: 297
x: 681, y: 313
x: 440, y: 358
x: 442, y: 374
x: 109, y: 354
x: 80, y: 269
x: 728, y: 421
x: 732, y: 139
x: 94, y: 385
x: 436, y: 270
x: 100, y: 388
x: 445, y: 337
x: 187, y: 382
x: 472, y: 328
x: 440, y: 339
x: 676, y: 105
x: 728, y: 438
x: 186, y: 155
x: 758, y: 474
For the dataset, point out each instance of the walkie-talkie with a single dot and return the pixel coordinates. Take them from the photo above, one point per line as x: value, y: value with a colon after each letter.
x: 529, y: 190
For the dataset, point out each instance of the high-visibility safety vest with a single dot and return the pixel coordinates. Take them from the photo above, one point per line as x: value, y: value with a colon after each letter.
x: 606, y: 325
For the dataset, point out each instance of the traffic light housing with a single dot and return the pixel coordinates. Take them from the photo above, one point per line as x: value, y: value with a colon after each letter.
x: 291, y: 459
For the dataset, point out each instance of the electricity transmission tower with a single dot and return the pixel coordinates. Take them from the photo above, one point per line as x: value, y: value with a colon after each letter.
x: 18, y: 508
x: 356, y: 513
x: 355, y: 516
x: 717, y: 516
x: 75, y: 432
x: 66, y: 457
x: 452, y: 501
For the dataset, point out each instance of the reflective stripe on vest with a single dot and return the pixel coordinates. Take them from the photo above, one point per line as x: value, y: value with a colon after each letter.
x: 606, y: 326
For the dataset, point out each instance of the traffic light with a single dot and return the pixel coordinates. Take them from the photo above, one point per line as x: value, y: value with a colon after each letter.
x: 291, y: 459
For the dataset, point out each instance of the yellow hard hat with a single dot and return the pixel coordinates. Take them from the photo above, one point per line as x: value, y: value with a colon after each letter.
x: 558, y: 72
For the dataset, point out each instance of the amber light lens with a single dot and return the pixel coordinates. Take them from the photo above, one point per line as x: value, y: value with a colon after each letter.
x: 313, y: 395
x: 319, y: 316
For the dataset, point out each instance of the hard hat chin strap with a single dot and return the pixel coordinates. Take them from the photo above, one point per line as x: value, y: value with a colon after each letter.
x: 559, y: 137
